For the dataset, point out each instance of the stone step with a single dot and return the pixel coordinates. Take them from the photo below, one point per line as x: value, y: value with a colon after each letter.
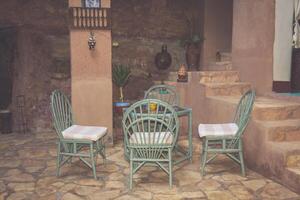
x: 219, y: 66
x: 222, y: 63
x: 269, y: 109
x: 292, y: 174
x: 290, y: 152
x: 225, y: 56
x: 226, y: 89
x: 271, y: 160
x: 282, y: 130
x: 219, y: 76
x: 293, y: 160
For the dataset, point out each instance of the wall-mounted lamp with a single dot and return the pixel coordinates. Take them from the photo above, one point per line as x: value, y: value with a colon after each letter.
x: 92, y: 41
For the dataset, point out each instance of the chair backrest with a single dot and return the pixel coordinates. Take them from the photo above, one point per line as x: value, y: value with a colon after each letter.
x: 243, y: 111
x: 163, y: 92
x: 150, y: 124
x: 61, y: 110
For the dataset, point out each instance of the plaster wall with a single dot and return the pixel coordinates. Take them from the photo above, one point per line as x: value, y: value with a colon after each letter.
x: 217, y: 29
x: 283, y: 40
x: 252, y: 42
x: 91, y: 78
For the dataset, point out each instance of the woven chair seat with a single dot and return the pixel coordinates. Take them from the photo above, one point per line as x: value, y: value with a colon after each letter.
x: 151, y: 138
x: 226, y: 129
x: 93, y: 133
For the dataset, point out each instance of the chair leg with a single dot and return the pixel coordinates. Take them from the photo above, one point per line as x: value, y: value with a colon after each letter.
x: 241, y: 158
x: 201, y: 155
x: 242, y: 163
x: 204, y: 155
x: 103, y: 152
x: 59, y: 157
x: 93, y: 160
x: 170, y: 168
x: 131, y: 170
x: 101, y: 149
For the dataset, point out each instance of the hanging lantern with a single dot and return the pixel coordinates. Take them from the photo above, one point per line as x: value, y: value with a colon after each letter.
x: 182, y: 74
x: 92, y: 41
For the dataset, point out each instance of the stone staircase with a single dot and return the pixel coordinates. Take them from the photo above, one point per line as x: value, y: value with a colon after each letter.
x: 223, y: 83
x: 272, y: 138
x: 281, y: 126
x: 217, y: 83
x: 220, y: 66
x: 222, y: 63
x: 225, y: 56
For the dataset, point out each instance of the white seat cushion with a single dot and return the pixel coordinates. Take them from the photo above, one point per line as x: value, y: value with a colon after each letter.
x: 217, y: 129
x: 151, y: 138
x: 84, y: 132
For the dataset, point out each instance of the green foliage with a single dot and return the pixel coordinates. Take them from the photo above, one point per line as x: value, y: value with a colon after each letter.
x: 120, y: 74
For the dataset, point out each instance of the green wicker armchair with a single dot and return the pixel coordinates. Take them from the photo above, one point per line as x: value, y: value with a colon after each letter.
x: 150, y: 129
x: 227, y: 138
x: 163, y: 92
x: 73, y: 138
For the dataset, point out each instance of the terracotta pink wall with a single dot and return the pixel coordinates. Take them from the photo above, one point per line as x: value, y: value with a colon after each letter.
x: 91, y: 77
x: 252, y: 42
x: 217, y: 29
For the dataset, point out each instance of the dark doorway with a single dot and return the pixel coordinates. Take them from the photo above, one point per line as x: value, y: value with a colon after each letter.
x: 295, y: 73
x: 7, y: 54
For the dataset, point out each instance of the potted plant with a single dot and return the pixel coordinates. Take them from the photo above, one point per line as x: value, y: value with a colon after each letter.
x: 120, y: 77
x: 192, y: 42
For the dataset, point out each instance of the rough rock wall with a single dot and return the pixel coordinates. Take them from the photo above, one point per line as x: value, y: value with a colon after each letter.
x: 140, y: 28
x: 42, y: 49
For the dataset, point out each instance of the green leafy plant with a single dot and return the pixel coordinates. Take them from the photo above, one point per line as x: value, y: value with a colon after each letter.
x: 120, y: 76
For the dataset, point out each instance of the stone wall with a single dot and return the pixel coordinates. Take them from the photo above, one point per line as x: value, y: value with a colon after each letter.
x: 140, y: 28
x: 42, y: 49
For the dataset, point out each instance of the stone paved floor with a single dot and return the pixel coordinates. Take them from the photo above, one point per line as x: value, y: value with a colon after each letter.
x: 27, y: 171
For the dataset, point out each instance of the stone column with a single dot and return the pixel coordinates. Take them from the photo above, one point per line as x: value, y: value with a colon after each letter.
x: 91, y: 76
x: 253, y: 41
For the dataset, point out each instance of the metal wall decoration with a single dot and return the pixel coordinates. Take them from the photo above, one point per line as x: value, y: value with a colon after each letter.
x: 89, y: 18
x: 91, y: 41
x: 163, y: 59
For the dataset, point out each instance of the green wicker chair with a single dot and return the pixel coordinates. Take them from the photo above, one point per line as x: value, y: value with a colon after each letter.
x: 150, y: 135
x: 227, y: 138
x: 72, y: 138
x: 163, y: 92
